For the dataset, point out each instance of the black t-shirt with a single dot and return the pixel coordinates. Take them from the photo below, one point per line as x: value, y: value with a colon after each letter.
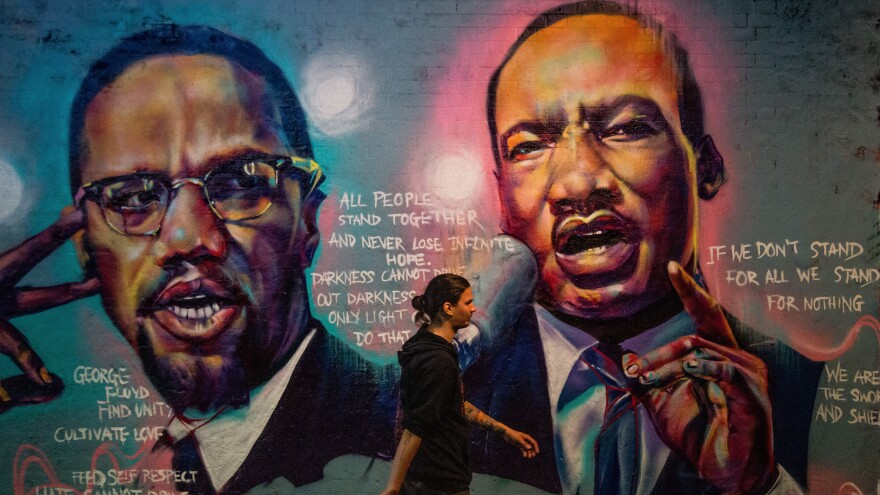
x: 433, y: 409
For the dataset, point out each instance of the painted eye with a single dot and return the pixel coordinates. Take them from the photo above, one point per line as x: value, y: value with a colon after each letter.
x: 633, y: 130
x: 134, y: 194
x: 228, y: 183
x: 134, y: 204
x: 526, y: 150
x: 243, y: 190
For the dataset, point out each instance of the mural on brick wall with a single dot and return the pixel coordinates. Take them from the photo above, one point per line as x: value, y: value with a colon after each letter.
x: 215, y: 220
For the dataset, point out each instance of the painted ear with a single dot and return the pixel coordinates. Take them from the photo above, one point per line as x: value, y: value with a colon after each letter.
x: 310, y: 236
x: 710, y: 168
x: 84, y: 253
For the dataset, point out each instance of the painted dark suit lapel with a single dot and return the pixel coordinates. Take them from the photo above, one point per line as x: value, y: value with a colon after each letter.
x: 336, y: 403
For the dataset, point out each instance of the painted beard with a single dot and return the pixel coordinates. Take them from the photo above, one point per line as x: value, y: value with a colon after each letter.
x: 203, y: 382
x: 207, y: 335
x: 221, y: 372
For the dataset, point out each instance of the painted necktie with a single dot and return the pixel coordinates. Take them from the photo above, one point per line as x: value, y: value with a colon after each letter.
x: 617, y: 446
x: 616, y: 449
x: 188, y: 460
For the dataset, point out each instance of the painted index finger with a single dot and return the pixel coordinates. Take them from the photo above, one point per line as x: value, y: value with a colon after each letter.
x: 34, y: 300
x: 703, y: 308
x: 18, y: 261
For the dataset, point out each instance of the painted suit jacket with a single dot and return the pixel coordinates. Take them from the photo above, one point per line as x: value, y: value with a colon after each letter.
x: 511, y: 386
x: 336, y: 403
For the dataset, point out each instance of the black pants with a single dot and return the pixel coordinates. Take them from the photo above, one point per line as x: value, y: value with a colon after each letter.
x: 419, y: 488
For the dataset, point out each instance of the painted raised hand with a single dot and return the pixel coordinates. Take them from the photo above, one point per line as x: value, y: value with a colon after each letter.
x: 708, y: 398
x: 36, y: 384
x: 500, y: 289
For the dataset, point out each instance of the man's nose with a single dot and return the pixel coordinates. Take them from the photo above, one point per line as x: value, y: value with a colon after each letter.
x: 190, y: 228
x: 579, y: 166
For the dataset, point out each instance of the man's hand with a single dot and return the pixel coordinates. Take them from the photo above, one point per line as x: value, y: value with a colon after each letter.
x: 708, y: 398
x: 526, y: 444
x: 36, y: 385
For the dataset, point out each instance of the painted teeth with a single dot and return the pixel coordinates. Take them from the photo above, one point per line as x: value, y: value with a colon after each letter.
x: 201, y: 313
x: 597, y: 250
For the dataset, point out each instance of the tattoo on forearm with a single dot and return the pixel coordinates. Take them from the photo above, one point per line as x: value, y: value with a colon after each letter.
x: 481, y: 419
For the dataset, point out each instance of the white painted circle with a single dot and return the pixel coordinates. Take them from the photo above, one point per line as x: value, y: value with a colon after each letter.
x: 337, y: 93
x: 455, y: 178
x: 334, y: 95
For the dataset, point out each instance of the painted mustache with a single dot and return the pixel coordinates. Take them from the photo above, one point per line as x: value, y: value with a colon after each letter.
x: 195, y: 292
x: 577, y: 234
x: 200, y: 298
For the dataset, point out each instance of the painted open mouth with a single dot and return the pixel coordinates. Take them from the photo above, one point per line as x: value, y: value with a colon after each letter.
x: 195, y: 309
x: 600, y: 242
x: 595, y: 233
x: 588, y: 238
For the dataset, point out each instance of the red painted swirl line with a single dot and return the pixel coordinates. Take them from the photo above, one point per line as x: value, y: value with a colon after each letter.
x: 849, y: 488
x: 827, y: 354
x: 29, y: 454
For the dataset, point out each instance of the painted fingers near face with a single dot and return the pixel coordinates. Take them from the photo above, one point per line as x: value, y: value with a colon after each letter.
x: 707, y: 398
x: 36, y: 385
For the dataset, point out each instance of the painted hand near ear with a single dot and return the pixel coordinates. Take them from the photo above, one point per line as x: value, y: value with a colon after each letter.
x: 36, y: 385
x: 708, y: 398
x: 506, y: 283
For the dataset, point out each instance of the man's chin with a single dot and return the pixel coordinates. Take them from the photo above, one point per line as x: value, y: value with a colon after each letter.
x: 615, y: 300
x: 593, y: 291
x: 203, y: 382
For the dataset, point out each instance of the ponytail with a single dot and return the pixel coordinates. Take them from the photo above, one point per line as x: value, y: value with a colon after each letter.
x: 442, y: 289
x: 420, y: 318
